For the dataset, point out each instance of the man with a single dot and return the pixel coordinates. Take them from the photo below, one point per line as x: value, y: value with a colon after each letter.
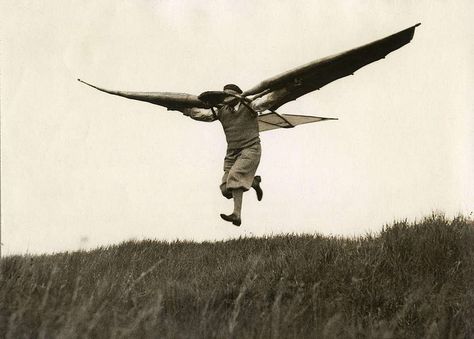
x: 243, y: 148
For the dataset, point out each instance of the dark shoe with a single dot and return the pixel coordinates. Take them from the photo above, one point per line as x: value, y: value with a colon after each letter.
x: 232, y: 218
x: 256, y: 186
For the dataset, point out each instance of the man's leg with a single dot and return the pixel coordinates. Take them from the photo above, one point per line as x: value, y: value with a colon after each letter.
x: 240, y: 177
x: 237, y: 195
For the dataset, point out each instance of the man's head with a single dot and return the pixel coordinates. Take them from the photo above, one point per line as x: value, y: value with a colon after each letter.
x: 232, y: 89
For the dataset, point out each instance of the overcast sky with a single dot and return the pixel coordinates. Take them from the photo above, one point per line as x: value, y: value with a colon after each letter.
x: 81, y: 164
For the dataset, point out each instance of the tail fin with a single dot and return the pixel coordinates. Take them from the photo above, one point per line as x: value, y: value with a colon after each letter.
x: 273, y: 120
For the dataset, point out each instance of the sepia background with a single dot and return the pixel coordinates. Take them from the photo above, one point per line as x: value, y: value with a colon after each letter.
x: 81, y: 168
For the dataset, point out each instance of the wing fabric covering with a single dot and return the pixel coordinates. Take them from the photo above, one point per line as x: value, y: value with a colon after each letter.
x: 273, y: 120
x: 316, y: 74
x: 172, y: 101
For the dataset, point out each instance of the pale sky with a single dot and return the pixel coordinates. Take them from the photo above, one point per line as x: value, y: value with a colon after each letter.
x: 78, y: 163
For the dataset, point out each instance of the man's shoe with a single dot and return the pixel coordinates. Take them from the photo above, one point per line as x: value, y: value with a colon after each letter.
x: 232, y: 218
x: 257, y: 180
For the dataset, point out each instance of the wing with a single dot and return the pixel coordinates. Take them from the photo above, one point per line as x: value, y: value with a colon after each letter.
x: 273, y: 120
x: 172, y: 101
x: 314, y: 75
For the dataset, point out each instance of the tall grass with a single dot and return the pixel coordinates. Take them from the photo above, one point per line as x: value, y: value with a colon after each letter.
x: 409, y: 281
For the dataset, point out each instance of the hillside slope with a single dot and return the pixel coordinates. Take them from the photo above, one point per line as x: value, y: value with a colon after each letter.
x: 411, y: 280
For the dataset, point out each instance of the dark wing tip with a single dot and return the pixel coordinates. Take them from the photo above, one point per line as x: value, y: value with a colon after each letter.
x: 93, y: 86
x: 85, y: 83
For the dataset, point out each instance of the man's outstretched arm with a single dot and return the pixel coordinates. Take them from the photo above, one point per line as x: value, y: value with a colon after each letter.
x: 200, y: 114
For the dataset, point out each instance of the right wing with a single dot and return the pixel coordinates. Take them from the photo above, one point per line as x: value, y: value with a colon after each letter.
x: 290, y: 85
x: 172, y: 101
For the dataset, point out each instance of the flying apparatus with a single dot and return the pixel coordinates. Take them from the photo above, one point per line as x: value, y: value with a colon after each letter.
x: 244, y: 114
x: 280, y: 89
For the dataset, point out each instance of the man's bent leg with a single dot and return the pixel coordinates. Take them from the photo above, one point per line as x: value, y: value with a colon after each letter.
x: 256, y: 186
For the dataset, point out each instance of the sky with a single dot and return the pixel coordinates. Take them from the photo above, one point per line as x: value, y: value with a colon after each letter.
x: 82, y: 169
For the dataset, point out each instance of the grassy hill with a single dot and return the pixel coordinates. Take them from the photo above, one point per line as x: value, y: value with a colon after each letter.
x: 409, y: 281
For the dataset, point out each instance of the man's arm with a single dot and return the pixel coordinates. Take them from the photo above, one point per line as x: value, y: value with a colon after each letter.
x: 200, y: 114
x: 268, y: 100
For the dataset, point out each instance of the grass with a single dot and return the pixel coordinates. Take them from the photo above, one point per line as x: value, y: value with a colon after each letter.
x: 409, y: 281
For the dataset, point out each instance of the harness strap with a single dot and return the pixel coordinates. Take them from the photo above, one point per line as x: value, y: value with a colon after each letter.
x: 214, y: 114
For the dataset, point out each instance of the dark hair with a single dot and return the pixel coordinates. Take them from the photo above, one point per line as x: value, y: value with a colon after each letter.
x: 233, y: 87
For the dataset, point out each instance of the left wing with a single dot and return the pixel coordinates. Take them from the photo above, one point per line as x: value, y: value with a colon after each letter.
x: 314, y: 75
x: 170, y: 100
